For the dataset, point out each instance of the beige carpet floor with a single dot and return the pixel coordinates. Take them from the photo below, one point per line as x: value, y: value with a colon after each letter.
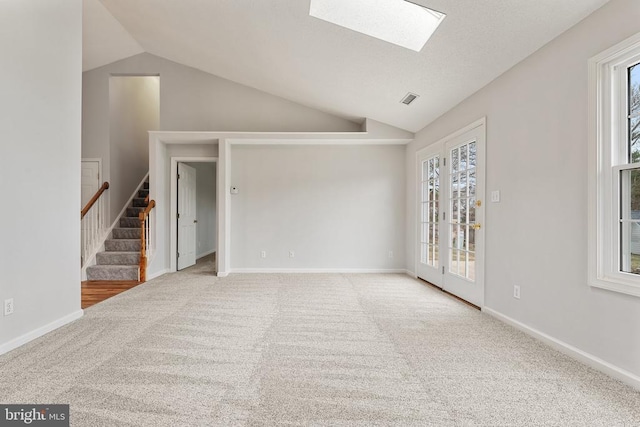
x: 328, y: 349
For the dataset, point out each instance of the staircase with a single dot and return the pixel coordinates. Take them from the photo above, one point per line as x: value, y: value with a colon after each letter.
x: 121, y: 258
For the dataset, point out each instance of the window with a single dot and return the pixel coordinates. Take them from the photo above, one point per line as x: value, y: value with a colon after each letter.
x: 614, y: 168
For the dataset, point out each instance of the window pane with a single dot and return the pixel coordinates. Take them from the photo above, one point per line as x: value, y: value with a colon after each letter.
x: 463, y: 211
x: 631, y: 257
x: 463, y: 184
x: 472, y: 211
x: 454, y: 160
x: 631, y: 197
x: 472, y: 155
x: 634, y: 113
x: 465, y: 244
x: 463, y: 158
x: 454, y: 186
x: 454, y: 212
x: 431, y: 231
x: 435, y: 234
x: 630, y: 221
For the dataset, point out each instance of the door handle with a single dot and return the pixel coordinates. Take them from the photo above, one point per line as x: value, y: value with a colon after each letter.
x: 476, y: 226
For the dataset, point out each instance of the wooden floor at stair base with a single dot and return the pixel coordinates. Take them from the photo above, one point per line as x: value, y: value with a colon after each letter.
x: 95, y: 291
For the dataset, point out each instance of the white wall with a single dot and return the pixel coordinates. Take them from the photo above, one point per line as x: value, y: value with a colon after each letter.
x: 336, y: 207
x: 134, y: 109
x: 536, y: 237
x: 161, y: 185
x: 190, y: 100
x: 205, y: 207
x: 40, y: 83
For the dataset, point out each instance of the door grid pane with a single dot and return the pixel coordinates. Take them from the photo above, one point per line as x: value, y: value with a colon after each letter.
x: 429, y: 216
x: 462, y: 204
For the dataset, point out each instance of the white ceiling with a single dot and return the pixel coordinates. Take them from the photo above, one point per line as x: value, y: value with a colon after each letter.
x: 104, y: 39
x: 275, y: 46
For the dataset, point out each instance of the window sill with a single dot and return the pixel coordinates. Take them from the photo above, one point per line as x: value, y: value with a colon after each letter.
x: 616, y: 286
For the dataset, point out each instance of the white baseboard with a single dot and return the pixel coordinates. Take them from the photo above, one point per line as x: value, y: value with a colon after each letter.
x: 411, y: 273
x: 222, y: 273
x: 37, y: 333
x: 571, y: 351
x: 157, y: 274
x: 317, y: 270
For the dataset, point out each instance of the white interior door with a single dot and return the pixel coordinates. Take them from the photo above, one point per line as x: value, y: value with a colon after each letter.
x: 451, y: 214
x: 89, y: 181
x: 187, y: 221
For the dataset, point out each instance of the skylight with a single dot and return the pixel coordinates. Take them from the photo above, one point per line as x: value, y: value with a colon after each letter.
x: 399, y: 22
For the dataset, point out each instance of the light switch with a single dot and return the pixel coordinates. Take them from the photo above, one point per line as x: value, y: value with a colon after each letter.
x: 495, y: 196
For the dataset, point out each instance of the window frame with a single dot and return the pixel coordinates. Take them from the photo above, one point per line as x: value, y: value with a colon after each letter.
x: 608, y: 154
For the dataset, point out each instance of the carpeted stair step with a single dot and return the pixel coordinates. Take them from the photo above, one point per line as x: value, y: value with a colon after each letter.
x: 139, y: 202
x: 121, y: 258
x: 118, y: 258
x: 122, y: 245
x: 126, y: 233
x: 134, y: 212
x: 112, y: 272
x: 129, y: 222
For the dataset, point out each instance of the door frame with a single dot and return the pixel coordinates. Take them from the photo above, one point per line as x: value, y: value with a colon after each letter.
x: 99, y: 161
x: 173, y: 203
x: 482, y: 122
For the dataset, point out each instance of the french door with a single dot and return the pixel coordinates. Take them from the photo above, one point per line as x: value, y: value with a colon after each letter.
x: 451, y: 212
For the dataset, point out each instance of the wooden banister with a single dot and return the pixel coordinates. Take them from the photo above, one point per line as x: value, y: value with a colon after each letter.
x: 94, y: 199
x: 144, y: 216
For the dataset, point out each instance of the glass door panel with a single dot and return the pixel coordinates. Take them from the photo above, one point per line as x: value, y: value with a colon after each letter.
x: 462, y: 204
x: 429, y: 217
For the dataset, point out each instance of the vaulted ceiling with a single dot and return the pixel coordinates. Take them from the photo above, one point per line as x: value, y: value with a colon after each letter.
x: 276, y: 47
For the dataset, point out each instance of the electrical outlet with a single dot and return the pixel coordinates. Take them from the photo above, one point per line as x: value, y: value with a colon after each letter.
x: 516, y: 292
x: 390, y: 254
x: 292, y: 254
x: 8, y: 306
x: 263, y: 254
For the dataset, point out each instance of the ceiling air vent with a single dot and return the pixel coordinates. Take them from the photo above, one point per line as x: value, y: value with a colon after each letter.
x: 409, y: 98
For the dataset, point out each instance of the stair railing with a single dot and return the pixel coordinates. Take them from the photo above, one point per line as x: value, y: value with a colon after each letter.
x: 93, y: 224
x: 147, y: 239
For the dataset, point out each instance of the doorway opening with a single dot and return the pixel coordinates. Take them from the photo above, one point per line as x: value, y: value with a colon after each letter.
x: 196, y: 213
x: 450, y: 183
